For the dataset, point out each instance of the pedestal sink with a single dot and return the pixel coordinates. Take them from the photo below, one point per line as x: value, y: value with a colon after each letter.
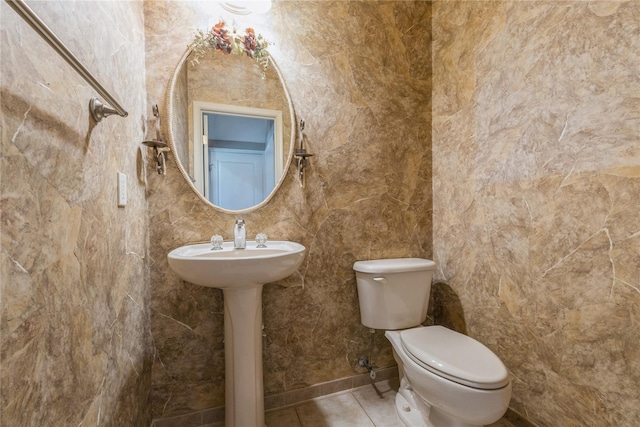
x: 240, y: 273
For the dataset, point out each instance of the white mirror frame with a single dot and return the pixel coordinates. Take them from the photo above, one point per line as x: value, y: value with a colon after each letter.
x: 201, y: 177
x: 178, y: 162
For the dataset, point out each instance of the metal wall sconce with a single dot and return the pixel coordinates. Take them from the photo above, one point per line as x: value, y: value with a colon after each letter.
x: 159, y: 146
x: 301, y: 155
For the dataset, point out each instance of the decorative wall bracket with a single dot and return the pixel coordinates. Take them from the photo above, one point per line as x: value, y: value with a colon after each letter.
x: 301, y: 155
x: 158, y: 144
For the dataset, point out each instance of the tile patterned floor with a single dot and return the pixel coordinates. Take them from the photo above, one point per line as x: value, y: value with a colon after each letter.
x: 368, y: 406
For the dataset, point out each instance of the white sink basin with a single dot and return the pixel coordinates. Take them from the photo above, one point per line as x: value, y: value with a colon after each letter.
x: 234, y: 268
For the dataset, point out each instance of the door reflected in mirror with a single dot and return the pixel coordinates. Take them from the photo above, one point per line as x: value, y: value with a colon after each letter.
x: 238, y: 155
x: 246, y: 119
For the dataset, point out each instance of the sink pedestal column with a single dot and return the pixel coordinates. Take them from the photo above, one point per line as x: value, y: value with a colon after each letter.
x: 241, y: 274
x: 244, y: 393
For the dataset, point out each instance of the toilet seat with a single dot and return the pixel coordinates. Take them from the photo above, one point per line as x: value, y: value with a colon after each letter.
x: 455, y: 356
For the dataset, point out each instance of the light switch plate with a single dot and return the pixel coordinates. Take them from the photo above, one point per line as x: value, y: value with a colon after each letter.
x: 122, y: 190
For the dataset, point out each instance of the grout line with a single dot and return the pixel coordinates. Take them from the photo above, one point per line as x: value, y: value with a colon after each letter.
x: 298, y: 417
x: 313, y: 399
x: 363, y: 408
x: 391, y: 371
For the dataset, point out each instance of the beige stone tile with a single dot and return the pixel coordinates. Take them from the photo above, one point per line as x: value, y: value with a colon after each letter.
x: 341, y: 410
x: 213, y: 415
x: 286, y: 417
x: 273, y: 402
x: 378, y: 401
x: 512, y: 418
x: 188, y: 420
x: 501, y: 423
x: 300, y: 395
x: 336, y: 386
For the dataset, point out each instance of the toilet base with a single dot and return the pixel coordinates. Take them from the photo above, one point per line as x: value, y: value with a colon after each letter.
x: 414, y: 412
x: 409, y: 416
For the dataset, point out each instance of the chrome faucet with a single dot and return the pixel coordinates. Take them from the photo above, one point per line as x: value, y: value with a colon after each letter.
x: 239, y: 235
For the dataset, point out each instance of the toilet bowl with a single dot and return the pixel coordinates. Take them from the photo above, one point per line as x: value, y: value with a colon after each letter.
x: 447, y: 378
x: 461, y: 382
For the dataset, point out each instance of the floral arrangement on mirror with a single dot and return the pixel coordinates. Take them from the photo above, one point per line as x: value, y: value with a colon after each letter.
x: 222, y: 40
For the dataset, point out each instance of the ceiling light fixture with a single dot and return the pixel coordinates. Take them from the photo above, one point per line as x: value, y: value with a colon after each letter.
x: 246, y: 7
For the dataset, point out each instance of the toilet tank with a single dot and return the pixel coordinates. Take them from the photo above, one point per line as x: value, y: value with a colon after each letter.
x: 393, y: 293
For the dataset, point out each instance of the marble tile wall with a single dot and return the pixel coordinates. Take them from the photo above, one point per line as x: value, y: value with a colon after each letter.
x: 536, y: 183
x: 359, y: 74
x: 75, y: 324
x: 535, y: 129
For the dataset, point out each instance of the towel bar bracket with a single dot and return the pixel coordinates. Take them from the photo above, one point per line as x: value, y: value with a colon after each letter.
x: 99, y: 110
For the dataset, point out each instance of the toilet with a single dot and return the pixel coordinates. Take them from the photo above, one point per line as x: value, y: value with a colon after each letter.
x: 447, y: 379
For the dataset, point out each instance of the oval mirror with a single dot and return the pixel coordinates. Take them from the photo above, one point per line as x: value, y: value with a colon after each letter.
x: 230, y: 127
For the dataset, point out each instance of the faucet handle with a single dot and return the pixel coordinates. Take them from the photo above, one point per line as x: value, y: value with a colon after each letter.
x: 216, y: 242
x: 261, y: 240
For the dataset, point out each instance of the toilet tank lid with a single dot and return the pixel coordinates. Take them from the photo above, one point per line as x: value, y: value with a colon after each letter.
x: 394, y: 265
